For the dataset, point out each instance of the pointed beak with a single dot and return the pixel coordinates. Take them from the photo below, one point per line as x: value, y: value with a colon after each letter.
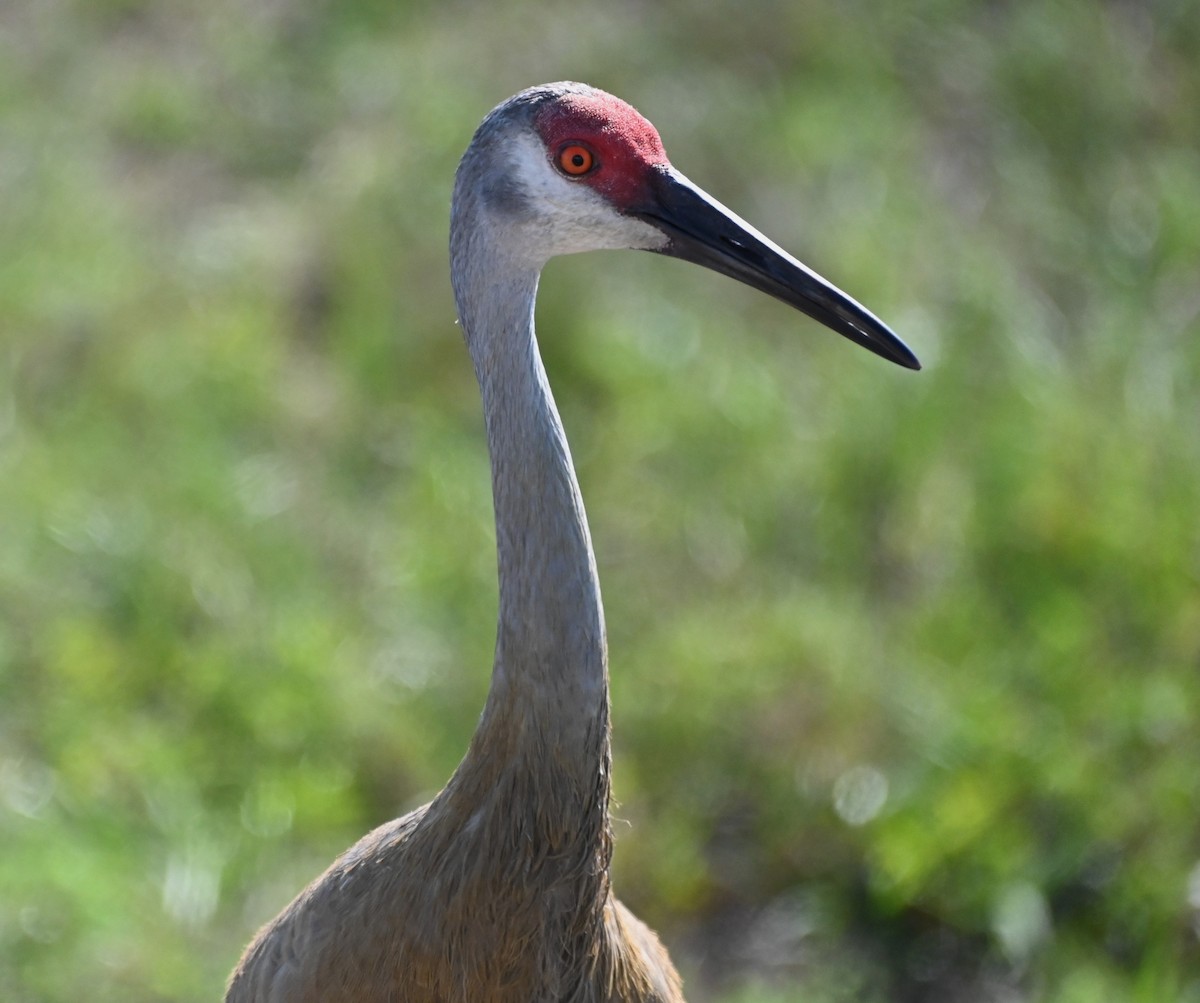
x: 703, y: 231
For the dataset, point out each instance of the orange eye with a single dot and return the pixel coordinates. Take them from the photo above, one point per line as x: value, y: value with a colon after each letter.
x: 575, y: 160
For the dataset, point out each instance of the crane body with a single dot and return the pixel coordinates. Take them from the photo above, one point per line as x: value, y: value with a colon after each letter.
x: 498, y: 889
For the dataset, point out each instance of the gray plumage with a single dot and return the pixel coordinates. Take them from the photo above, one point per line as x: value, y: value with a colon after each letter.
x: 498, y: 890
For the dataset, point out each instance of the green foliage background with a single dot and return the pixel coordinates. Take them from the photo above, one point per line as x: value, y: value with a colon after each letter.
x: 904, y: 665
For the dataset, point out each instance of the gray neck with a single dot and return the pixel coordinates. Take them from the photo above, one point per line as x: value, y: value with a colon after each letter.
x: 549, y: 693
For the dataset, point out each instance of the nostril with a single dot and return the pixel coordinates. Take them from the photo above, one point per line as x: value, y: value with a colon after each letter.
x: 744, y: 250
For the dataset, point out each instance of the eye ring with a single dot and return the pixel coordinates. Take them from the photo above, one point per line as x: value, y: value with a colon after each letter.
x: 576, y: 160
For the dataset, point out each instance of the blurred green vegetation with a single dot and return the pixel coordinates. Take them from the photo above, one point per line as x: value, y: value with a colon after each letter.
x: 905, y: 666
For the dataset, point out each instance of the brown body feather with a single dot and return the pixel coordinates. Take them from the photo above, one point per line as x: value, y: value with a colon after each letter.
x: 496, y: 891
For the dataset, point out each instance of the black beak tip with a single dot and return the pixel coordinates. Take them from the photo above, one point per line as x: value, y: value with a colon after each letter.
x: 870, y: 333
x: 903, y: 356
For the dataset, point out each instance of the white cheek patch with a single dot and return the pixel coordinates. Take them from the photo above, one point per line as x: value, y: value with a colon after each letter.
x: 571, y: 216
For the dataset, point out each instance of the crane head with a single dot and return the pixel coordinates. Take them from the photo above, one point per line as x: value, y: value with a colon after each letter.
x: 571, y: 168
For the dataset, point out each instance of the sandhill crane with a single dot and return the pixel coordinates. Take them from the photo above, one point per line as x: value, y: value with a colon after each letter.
x: 498, y: 891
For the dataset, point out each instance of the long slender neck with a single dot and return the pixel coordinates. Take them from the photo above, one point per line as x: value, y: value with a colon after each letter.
x: 548, y: 704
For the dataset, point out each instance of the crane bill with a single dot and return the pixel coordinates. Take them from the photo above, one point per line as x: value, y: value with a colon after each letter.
x: 701, y: 230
